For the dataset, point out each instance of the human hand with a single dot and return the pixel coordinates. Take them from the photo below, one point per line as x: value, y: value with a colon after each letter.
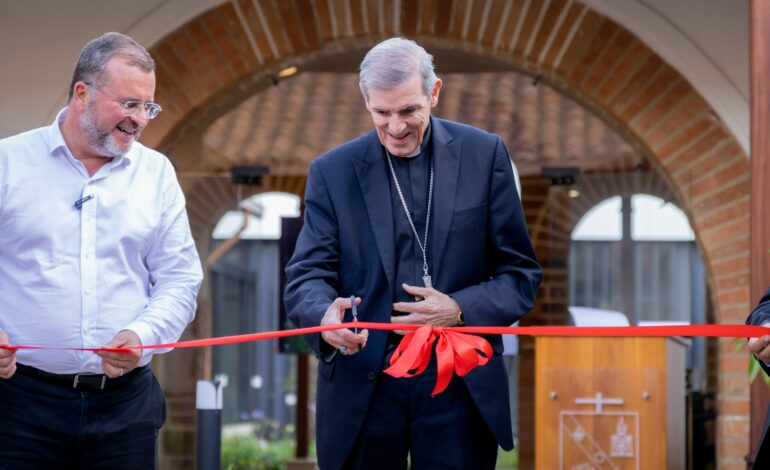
x: 346, y: 341
x: 7, y: 358
x: 760, y: 346
x: 115, y: 364
x: 435, y: 308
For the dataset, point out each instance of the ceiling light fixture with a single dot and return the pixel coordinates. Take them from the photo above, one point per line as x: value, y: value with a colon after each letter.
x: 288, y: 72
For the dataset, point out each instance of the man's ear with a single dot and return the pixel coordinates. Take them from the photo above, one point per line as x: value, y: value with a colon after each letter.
x: 435, y: 92
x: 79, y: 93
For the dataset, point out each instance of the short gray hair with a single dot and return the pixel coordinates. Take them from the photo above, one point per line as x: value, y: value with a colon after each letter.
x: 95, y: 55
x: 393, y: 62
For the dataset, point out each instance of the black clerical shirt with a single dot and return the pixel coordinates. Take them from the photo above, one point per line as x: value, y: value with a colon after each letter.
x: 413, y: 175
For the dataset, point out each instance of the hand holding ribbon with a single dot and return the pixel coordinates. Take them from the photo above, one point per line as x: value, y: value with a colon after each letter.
x: 7, y: 357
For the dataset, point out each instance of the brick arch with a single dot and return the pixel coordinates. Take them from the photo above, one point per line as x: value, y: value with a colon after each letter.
x: 559, y: 214
x: 233, y: 50
x: 209, y: 198
x: 239, y: 44
x: 597, y: 187
x: 552, y: 216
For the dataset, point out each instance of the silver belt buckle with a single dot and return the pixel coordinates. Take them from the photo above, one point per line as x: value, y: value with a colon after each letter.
x: 77, y: 379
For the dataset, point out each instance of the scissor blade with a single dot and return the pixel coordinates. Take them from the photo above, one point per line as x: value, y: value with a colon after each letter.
x: 355, y: 311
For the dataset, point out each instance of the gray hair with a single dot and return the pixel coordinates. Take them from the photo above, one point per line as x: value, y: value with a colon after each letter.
x: 393, y: 62
x: 95, y: 55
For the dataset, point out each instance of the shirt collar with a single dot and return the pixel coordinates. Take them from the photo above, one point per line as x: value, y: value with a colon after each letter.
x: 421, y: 149
x: 55, y: 137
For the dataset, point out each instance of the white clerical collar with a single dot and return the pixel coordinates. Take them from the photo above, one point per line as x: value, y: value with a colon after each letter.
x: 419, y: 150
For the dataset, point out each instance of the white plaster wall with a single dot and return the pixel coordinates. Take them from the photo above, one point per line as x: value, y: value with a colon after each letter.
x: 41, y: 39
x: 707, y: 41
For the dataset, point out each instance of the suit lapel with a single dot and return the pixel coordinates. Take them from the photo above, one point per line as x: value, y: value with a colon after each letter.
x: 373, y: 179
x: 446, y: 161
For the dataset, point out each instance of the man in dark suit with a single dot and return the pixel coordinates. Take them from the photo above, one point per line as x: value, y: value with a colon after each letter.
x: 760, y: 347
x: 420, y: 219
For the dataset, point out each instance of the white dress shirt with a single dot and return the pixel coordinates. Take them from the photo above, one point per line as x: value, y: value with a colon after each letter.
x: 75, y: 277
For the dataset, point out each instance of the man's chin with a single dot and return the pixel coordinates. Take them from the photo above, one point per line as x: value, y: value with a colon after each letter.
x: 114, y: 149
x: 401, y: 151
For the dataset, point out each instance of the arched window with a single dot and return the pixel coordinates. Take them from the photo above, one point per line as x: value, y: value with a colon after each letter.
x: 654, y: 274
x: 652, y: 218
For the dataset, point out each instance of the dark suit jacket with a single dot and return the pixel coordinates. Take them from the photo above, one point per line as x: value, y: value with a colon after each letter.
x: 760, y: 316
x: 482, y: 257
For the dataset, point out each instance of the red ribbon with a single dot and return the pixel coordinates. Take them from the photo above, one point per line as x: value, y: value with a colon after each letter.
x: 456, y: 351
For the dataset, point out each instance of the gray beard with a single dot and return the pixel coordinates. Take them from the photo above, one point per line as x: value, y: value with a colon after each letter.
x: 100, y: 140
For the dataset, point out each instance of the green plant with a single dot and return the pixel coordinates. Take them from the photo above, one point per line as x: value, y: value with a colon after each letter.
x: 507, y: 460
x: 250, y: 453
x: 754, y: 366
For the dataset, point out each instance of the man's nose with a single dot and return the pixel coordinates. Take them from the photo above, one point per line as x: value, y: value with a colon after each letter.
x: 396, y: 125
x: 141, y: 116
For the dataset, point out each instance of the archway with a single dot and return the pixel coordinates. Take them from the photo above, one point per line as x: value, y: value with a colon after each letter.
x: 236, y: 49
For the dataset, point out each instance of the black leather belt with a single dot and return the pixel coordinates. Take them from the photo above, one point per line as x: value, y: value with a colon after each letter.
x: 85, y: 381
x: 394, y: 338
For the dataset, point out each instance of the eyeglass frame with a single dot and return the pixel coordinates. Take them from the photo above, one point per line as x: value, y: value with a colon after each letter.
x: 130, y: 107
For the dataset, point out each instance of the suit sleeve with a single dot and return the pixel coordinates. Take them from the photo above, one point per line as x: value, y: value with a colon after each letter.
x: 759, y: 316
x: 515, y: 274
x: 312, y: 272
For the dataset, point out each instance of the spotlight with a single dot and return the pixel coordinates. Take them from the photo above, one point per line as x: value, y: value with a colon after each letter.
x: 561, y: 176
x: 248, y: 174
x: 287, y: 72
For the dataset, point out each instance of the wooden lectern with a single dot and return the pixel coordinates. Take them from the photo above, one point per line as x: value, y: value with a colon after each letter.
x: 610, y: 403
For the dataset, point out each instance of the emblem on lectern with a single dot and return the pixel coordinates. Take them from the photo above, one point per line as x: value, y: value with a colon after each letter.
x: 579, y: 433
x: 621, y: 443
x: 599, y: 439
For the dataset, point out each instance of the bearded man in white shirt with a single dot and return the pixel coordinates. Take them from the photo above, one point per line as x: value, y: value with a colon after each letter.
x: 95, y: 250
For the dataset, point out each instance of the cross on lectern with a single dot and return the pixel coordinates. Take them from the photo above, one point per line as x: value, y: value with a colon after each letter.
x: 598, y: 402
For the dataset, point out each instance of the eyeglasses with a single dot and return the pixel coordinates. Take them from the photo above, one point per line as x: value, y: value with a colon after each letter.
x: 130, y: 107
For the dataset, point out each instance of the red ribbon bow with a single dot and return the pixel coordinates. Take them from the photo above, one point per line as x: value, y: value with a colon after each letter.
x: 455, y: 352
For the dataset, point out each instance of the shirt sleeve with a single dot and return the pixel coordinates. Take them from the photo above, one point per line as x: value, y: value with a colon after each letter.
x: 175, y: 273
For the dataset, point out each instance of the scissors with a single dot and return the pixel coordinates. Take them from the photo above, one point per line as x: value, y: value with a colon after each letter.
x: 355, y: 311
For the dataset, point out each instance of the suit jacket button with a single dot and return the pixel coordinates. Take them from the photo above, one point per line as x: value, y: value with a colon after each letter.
x: 370, y: 375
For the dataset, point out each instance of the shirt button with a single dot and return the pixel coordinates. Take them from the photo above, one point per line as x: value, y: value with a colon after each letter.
x: 370, y: 375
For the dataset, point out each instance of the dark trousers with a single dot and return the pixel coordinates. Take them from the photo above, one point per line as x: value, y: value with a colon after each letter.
x: 762, y: 459
x: 45, y: 423
x: 441, y: 432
